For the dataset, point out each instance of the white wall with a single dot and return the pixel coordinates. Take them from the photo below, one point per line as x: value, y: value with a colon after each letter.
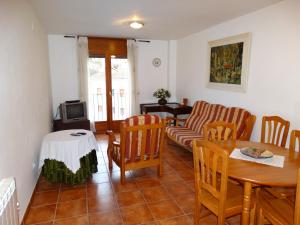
x: 25, y: 95
x: 150, y: 78
x: 63, y: 69
x: 172, y: 71
x: 274, y: 78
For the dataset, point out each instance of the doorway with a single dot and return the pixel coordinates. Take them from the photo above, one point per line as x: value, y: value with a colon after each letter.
x: 109, y: 83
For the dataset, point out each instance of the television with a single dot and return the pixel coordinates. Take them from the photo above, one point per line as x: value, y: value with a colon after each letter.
x: 72, y: 111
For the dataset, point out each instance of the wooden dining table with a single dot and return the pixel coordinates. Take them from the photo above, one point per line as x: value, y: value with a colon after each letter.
x: 255, y: 174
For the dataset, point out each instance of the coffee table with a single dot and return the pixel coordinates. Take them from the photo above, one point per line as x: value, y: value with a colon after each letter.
x: 65, y: 157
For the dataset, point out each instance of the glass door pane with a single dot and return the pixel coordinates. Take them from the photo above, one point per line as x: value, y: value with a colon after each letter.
x: 97, y: 89
x: 120, y: 88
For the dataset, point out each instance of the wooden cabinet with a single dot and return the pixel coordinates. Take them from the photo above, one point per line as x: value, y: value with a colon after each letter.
x: 59, y: 125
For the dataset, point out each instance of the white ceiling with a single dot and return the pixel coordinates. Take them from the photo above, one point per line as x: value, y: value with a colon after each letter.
x: 164, y: 19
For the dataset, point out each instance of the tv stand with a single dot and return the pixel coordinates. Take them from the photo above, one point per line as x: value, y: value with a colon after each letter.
x: 59, y: 125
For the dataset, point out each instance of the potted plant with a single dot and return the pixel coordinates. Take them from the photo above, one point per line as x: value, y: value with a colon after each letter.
x: 162, y: 95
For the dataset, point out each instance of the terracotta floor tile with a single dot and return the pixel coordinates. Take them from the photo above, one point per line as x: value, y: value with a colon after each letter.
x: 141, y: 173
x: 186, y: 202
x: 81, y: 220
x: 46, y: 223
x: 130, y: 185
x: 155, y: 194
x: 41, y: 179
x: 40, y: 214
x: 191, y: 185
x: 108, y: 218
x: 177, y: 188
x: 70, y: 186
x: 99, y: 178
x: 182, y: 220
x: 72, y: 194
x: 137, y: 214
x: 170, y: 177
x: 164, y: 209
x: 147, y: 182
x: 96, y: 190
x: 47, y: 186
x: 71, y: 209
x: 102, y: 204
x: 186, y: 175
x: 130, y: 198
x: 45, y: 198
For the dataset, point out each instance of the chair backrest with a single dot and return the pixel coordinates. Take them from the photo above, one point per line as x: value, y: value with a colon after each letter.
x: 295, y: 140
x: 274, y: 130
x: 211, y: 166
x: 220, y: 131
x: 297, y: 202
x: 142, y: 137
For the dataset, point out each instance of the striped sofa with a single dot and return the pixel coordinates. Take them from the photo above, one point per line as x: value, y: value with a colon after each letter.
x: 203, y: 113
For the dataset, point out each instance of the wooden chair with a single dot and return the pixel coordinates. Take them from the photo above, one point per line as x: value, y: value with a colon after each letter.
x: 140, y: 146
x: 212, y: 188
x: 274, y: 130
x: 287, y: 192
x: 279, y: 211
x: 220, y: 131
x: 295, y: 137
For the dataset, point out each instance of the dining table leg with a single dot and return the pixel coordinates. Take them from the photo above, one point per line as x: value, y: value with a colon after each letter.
x: 246, y: 203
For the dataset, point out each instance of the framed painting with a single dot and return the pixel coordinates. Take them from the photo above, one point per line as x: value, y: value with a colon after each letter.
x: 229, y: 63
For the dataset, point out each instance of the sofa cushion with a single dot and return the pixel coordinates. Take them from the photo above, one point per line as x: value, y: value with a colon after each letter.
x: 237, y: 116
x: 183, y: 135
x: 204, y: 113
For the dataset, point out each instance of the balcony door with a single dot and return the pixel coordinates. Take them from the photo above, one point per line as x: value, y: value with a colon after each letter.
x: 109, y: 83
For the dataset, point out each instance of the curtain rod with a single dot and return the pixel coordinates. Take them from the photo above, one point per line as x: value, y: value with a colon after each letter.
x: 143, y: 41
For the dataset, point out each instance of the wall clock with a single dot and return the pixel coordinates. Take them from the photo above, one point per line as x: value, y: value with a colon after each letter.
x: 156, y: 62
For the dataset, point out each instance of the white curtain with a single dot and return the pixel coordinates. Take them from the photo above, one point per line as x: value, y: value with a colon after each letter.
x: 83, y: 57
x: 132, y: 61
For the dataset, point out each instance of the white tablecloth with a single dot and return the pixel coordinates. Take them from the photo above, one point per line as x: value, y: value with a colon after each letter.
x: 68, y: 149
x: 276, y: 160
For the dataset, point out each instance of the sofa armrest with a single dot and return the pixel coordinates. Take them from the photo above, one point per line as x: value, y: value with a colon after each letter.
x: 246, y: 135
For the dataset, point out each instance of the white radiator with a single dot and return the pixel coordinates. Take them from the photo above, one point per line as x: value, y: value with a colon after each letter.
x: 8, y: 202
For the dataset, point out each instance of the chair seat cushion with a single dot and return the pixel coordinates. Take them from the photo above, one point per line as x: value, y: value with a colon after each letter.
x: 183, y: 135
x: 234, y: 201
x: 279, y: 211
x: 116, y: 154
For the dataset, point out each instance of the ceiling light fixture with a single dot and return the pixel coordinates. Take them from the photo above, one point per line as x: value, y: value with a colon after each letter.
x: 136, y: 24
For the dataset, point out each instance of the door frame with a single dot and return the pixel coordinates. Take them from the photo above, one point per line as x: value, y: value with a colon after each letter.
x: 99, y: 47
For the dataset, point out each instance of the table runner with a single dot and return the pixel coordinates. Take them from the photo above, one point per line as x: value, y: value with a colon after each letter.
x: 276, y: 160
x: 63, y: 147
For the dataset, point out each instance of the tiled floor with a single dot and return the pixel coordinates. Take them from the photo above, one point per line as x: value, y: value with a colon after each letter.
x: 144, y: 199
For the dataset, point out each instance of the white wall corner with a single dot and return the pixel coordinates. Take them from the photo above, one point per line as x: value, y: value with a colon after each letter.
x: 172, y: 69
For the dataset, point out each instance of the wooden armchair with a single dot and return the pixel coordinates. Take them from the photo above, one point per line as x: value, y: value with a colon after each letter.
x: 212, y: 188
x: 220, y: 131
x: 274, y: 130
x: 279, y: 211
x: 140, y: 146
